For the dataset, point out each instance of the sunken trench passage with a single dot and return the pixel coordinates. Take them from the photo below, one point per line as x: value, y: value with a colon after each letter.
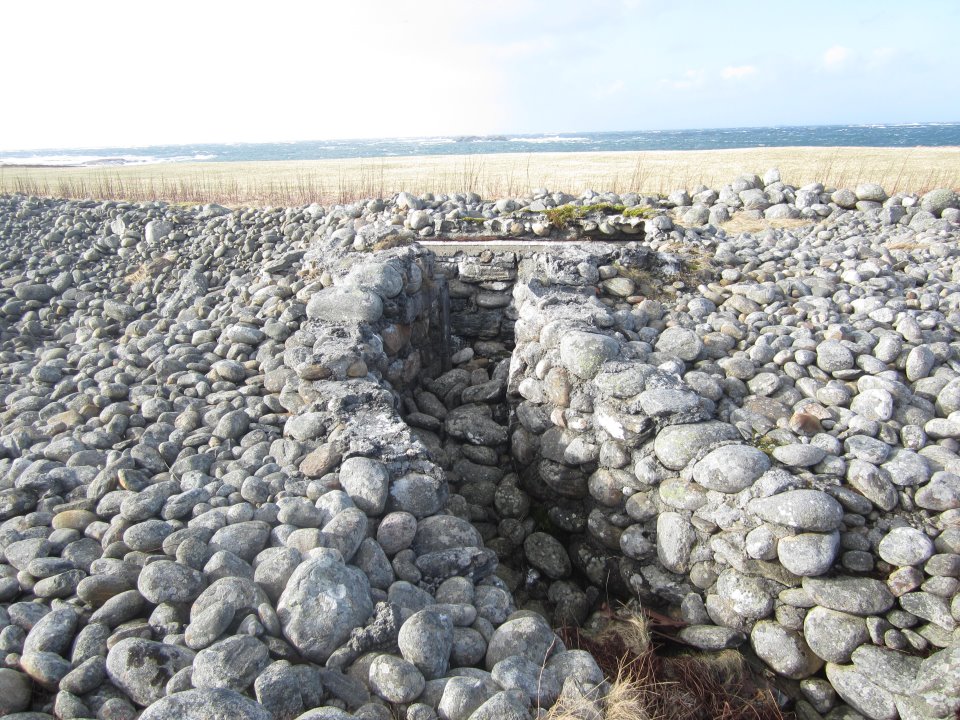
x: 504, y: 405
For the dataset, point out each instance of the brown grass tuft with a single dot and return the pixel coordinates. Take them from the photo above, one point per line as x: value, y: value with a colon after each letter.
x: 741, y: 223
x: 150, y: 269
x: 137, y: 276
x: 391, y: 241
x: 906, y: 245
x: 658, y: 683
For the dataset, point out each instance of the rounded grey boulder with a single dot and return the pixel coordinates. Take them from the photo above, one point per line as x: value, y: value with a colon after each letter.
x: 233, y: 663
x: 426, y: 639
x: 834, y: 635
x: 142, y: 668
x: 799, y: 455
x: 167, y: 581
x: 461, y: 696
x: 906, y: 546
x: 323, y: 601
x: 341, y: 304
x: 784, y: 650
x: 583, y: 353
x: 809, y: 553
x: 208, y: 704
x: 395, y: 680
x: 800, y: 509
x: 854, y: 595
x: 546, y: 553
x: 675, y: 539
x: 539, y: 684
x: 15, y: 691
x: 529, y: 636
x: 936, y: 201
x: 679, y: 341
x: 366, y: 481
x: 381, y: 278
x: 677, y: 445
x: 731, y: 468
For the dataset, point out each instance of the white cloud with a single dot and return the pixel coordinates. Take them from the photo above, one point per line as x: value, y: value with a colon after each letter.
x: 882, y: 56
x: 836, y: 56
x: 737, y: 72
x: 516, y: 49
x: 342, y: 70
x: 690, y: 79
x: 610, y: 89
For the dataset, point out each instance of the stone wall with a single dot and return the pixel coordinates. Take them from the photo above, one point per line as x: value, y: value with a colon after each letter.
x: 480, y: 285
x: 631, y: 458
x: 606, y: 456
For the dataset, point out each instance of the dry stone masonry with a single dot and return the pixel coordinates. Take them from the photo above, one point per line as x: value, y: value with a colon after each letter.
x: 291, y: 463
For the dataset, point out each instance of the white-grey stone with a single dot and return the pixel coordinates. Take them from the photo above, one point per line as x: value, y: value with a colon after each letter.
x: 855, y: 595
x: 367, y: 482
x: 833, y: 356
x: 527, y: 636
x: 731, y: 468
x: 343, y: 304
x: 800, y: 509
x: 142, y: 668
x: 208, y: 704
x: 784, y: 650
x: 936, y: 201
x: 232, y: 663
x: 395, y: 679
x: 583, y: 353
x: 861, y: 693
x: 799, y: 455
x: 907, y: 468
x: 834, y: 635
x: 426, y: 639
x: 676, y: 445
x: 323, y: 601
x: 874, y: 404
x: 747, y: 595
x: 809, y: 553
x: 679, y: 341
x: 675, y: 539
x: 905, y: 546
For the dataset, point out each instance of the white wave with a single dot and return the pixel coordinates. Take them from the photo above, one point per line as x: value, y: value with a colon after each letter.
x: 549, y: 139
x: 52, y: 160
x: 98, y: 160
x: 198, y: 156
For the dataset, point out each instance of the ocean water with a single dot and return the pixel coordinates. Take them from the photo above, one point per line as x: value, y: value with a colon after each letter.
x: 878, y: 135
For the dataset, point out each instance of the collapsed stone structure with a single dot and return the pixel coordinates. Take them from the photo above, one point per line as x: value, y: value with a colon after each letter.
x: 343, y: 473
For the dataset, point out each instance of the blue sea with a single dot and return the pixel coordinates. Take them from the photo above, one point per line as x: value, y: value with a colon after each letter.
x: 877, y: 135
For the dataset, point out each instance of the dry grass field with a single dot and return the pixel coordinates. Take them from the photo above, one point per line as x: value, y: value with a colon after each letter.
x: 296, y: 182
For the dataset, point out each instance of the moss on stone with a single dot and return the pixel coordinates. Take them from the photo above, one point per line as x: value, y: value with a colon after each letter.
x: 560, y: 216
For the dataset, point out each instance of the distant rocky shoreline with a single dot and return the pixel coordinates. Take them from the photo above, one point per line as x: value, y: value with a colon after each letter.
x: 291, y: 463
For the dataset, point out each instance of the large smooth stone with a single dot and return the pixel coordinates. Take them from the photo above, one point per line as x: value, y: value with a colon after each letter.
x: 323, y: 601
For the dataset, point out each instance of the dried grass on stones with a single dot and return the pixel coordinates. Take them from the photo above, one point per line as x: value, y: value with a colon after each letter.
x: 649, y: 683
x: 741, y: 223
x: 286, y: 183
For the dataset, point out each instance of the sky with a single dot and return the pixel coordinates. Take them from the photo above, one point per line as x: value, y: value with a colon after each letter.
x: 143, y: 72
